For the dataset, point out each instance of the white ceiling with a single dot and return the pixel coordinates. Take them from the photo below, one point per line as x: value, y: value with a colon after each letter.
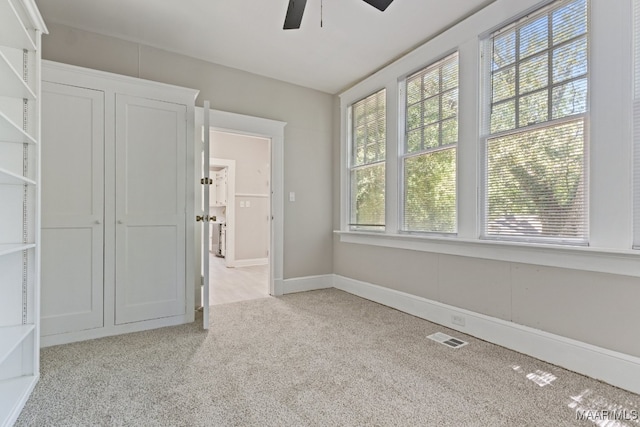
x: 356, y: 38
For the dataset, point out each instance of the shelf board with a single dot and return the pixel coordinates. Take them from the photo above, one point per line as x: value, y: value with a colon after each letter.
x: 13, y: 33
x: 7, y: 177
x: 10, y: 132
x: 11, y: 83
x: 11, y: 337
x: 6, y: 249
x: 14, y: 393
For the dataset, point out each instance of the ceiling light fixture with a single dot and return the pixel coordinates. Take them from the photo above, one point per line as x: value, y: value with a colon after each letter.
x: 295, y: 10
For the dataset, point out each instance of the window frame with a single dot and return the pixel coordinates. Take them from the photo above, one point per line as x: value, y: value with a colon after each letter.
x: 486, y: 107
x: 403, y: 153
x: 352, y: 168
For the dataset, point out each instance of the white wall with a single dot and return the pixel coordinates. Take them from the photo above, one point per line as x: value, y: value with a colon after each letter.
x: 307, y: 139
x: 585, y: 294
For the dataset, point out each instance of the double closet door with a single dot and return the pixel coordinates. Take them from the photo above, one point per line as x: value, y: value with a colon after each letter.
x: 113, y: 214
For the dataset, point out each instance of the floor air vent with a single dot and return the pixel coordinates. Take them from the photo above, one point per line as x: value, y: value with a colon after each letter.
x: 447, y: 340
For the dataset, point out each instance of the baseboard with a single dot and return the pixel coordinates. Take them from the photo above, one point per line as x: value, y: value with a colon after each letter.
x: 278, y: 287
x: 308, y: 283
x: 612, y: 367
x: 250, y: 262
x: 107, y: 331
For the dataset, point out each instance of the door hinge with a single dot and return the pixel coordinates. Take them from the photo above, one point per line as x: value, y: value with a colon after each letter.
x: 206, y: 181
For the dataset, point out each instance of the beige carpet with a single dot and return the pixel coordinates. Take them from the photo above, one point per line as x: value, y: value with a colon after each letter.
x: 323, y: 358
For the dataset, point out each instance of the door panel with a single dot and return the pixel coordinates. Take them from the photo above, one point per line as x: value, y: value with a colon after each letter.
x: 68, y: 259
x: 153, y: 271
x: 150, y: 209
x: 72, y: 208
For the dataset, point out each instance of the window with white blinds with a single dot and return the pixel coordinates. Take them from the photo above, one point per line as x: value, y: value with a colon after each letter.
x: 535, y: 146
x: 367, y: 162
x: 430, y: 148
x: 636, y: 125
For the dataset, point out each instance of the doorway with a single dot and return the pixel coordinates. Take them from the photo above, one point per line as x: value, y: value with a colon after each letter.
x: 240, y: 201
x: 273, y: 131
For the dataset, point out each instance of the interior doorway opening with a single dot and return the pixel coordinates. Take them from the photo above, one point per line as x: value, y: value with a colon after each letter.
x: 240, y: 205
x: 234, y: 123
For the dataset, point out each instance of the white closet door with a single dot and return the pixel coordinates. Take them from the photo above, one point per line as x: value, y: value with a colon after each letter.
x: 72, y: 208
x: 150, y: 209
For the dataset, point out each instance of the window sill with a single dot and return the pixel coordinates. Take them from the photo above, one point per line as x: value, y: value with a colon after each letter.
x: 614, y: 261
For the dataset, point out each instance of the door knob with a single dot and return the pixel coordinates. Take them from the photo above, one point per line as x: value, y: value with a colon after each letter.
x: 98, y: 221
x: 120, y: 221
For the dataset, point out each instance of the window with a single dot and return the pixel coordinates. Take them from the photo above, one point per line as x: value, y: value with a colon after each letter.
x: 535, y: 177
x: 367, y: 162
x: 431, y: 138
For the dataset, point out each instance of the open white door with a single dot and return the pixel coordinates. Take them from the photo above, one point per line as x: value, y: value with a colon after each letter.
x: 206, y: 182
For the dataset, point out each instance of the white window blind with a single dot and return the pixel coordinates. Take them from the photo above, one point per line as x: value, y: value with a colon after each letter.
x: 367, y: 162
x: 535, y: 173
x: 430, y: 144
x: 636, y: 125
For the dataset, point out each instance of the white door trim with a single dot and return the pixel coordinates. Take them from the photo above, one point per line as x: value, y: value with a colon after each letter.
x: 265, y: 128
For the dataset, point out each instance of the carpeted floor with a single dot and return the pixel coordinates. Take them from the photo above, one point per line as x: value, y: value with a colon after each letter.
x: 322, y: 358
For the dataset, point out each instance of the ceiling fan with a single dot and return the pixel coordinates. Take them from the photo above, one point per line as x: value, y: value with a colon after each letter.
x: 296, y: 9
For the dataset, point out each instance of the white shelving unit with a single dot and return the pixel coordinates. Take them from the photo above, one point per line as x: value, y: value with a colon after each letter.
x: 11, y: 132
x: 8, y: 178
x: 218, y: 192
x: 21, y: 28
x: 11, y: 82
x: 8, y: 249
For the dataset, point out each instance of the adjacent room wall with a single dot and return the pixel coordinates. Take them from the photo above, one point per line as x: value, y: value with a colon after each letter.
x: 252, y: 185
x: 307, y: 139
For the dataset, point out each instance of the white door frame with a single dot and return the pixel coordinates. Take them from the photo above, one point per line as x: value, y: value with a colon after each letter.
x: 265, y: 128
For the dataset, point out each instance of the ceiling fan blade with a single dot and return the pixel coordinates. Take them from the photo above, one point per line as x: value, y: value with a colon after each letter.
x: 294, y: 14
x: 379, y: 4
